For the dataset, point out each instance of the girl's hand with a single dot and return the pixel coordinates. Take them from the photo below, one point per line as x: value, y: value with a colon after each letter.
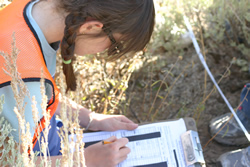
x: 106, y: 155
x: 111, y: 122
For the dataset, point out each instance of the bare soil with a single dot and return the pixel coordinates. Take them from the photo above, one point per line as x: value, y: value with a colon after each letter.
x: 186, y: 94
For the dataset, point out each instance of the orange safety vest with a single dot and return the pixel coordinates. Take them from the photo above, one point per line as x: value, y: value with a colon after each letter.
x: 30, y: 59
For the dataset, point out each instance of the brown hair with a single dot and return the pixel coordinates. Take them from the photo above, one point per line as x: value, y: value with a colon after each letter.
x: 134, y: 19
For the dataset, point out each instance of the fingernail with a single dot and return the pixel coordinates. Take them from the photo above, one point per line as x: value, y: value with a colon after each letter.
x: 135, y: 125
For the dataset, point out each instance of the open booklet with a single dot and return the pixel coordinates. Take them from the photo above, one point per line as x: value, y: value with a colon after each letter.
x: 152, y: 145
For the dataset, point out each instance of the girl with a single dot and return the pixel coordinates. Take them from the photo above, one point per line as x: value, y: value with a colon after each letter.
x: 80, y: 27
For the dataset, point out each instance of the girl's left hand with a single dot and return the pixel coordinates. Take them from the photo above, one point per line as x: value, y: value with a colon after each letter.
x: 111, y: 122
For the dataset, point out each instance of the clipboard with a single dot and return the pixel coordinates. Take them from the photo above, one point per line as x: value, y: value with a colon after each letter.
x: 175, y: 141
x: 191, y: 144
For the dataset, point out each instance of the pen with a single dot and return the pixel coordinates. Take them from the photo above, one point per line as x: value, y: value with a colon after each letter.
x: 106, y: 142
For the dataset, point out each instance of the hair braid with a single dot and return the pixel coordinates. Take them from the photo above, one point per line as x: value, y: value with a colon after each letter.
x: 133, y: 19
x: 73, y: 21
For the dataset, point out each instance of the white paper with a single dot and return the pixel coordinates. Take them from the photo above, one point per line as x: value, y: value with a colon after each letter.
x: 166, y: 148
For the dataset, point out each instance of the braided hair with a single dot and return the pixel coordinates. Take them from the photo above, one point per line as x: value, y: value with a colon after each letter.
x: 72, y: 22
x: 134, y: 19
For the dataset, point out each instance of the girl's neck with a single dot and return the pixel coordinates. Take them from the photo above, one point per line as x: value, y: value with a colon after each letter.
x: 49, y: 20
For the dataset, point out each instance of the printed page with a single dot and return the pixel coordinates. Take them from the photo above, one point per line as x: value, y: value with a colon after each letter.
x: 152, y: 145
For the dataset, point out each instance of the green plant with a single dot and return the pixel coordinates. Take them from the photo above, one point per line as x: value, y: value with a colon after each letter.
x: 227, y: 29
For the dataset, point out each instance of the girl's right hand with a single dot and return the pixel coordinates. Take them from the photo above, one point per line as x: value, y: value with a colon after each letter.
x: 106, y: 155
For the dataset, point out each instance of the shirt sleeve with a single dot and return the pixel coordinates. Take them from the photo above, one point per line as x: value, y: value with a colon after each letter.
x: 9, y: 104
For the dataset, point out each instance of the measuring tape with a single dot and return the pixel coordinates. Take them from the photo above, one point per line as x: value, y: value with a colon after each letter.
x: 198, y: 51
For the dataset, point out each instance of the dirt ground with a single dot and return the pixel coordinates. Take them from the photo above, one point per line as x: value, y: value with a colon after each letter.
x: 186, y: 94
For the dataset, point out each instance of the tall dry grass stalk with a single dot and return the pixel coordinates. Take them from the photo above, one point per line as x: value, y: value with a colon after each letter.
x: 4, y: 3
x: 72, y: 145
x: 79, y: 144
x: 70, y: 125
x: 72, y: 149
x: 46, y: 116
x: 20, y: 91
x: 22, y: 157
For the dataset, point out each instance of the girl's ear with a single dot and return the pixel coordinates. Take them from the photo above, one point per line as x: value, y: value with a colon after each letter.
x: 91, y: 27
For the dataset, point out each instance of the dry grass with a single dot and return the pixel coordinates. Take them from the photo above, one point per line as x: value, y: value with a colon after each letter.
x: 25, y: 158
x: 115, y: 87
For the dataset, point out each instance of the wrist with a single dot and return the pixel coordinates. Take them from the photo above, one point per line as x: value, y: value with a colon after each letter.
x: 90, y: 120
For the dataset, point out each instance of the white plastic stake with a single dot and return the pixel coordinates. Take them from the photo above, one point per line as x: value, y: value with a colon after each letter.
x: 198, y: 51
